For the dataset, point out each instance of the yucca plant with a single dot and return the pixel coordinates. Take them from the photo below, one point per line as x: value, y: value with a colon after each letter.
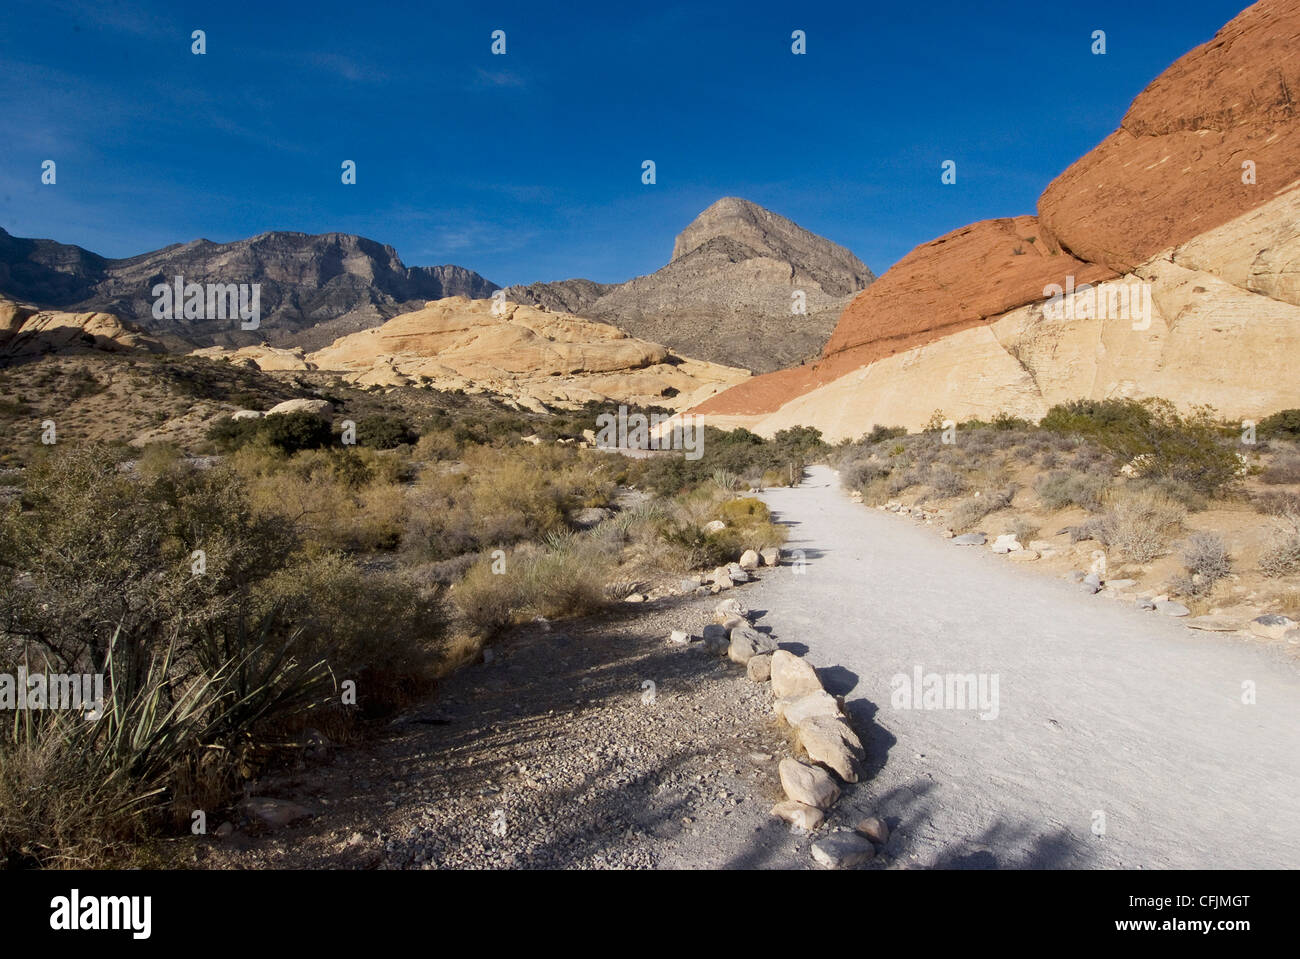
x: 725, y: 480
x: 70, y: 786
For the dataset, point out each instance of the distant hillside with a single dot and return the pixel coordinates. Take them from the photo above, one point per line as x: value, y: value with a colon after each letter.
x: 314, y: 289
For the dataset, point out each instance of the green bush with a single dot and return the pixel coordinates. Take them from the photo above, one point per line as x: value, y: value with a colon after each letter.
x: 100, y: 574
x: 1097, y: 417
x: 1282, y: 424
x: 384, y: 432
x: 215, y: 635
x: 738, y: 452
x: 291, y: 432
x: 880, y: 433
x: 287, y: 432
x: 1186, y: 455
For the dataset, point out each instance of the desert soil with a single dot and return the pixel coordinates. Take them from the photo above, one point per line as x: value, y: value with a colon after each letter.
x: 548, y: 756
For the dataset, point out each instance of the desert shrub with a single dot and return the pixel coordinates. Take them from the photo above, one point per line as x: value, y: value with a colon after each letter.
x: 1281, y: 555
x: 1283, y: 471
x: 1205, y: 557
x: 734, y: 540
x: 99, y: 550
x: 291, y: 432
x: 1091, y: 529
x: 970, y: 511
x: 744, y: 511
x: 287, y: 432
x: 725, y: 480
x: 228, y: 434
x: 503, y: 496
x: 698, y: 548
x: 383, y: 432
x: 556, y: 582
x: 748, y: 526
x: 935, y: 423
x: 1024, y: 529
x: 1283, y: 503
x: 859, y: 473
x: 1061, y: 488
x: 737, y: 452
x: 160, y: 459
x: 946, y: 481
x: 1096, y: 418
x: 1140, y: 524
x: 101, y: 574
x: 1002, y: 422
x: 436, y: 444
x: 880, y: 433
x: 341, y: 498
x: 376, y: 628
x: 1188, y: 454
x: 800, y: 444
x: 1282, y: 424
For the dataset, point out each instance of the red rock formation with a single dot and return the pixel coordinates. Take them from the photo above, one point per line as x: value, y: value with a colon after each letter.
x: 1174, y: 167
x: 949, y: 284
x: 1171, y: 172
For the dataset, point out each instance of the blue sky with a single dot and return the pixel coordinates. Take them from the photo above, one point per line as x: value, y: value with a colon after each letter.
x: 527, y: 166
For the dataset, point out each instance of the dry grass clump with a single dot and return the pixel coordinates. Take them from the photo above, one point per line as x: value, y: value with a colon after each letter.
x: 1281, y: 555
x: 1140, y: 524
x: 562, y: 580
x: 969, y: 512
x: 503, y: 496
x: 1283, y: 471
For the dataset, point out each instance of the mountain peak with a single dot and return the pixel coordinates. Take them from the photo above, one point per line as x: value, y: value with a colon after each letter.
x: 836, y: 270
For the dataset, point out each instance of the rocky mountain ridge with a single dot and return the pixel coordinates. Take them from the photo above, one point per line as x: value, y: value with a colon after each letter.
x: 314, y: 288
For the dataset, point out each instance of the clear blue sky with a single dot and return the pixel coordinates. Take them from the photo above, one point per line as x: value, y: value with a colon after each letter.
x: 527, y: 166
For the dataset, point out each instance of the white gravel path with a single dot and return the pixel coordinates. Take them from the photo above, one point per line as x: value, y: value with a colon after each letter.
x: 1102, y: 708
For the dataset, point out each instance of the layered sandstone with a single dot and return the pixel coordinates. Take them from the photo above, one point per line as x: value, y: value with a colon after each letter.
x: 1174, y: 168
x: 533, y: 356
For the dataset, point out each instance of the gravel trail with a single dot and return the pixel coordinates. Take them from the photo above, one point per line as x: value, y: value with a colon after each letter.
x: 1109, y: 719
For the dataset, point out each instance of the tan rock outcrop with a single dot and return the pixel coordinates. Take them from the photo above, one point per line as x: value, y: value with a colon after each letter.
x: 27, y: 331
x: 531, y: 355
x: 267, y: 358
